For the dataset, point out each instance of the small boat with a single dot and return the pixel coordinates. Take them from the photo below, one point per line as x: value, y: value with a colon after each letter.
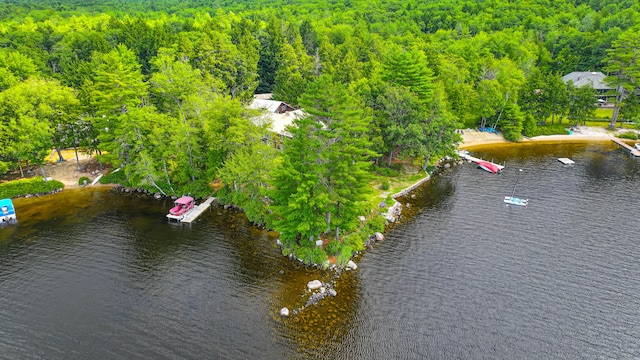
x: 7, y: 212
x: 182, y: 205
x: 489, y: 166
x: 514, y: 200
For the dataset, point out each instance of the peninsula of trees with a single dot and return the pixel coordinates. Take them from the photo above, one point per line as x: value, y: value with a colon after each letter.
x: 160, y: 88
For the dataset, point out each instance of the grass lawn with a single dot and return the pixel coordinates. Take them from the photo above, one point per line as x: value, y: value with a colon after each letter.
x: 604, y: 113
x: 406, y: 175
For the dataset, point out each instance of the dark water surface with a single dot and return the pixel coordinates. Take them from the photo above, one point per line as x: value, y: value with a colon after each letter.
x: 90, y: 274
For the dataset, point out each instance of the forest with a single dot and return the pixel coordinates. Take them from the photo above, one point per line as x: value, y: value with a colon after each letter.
x: 161, y: 88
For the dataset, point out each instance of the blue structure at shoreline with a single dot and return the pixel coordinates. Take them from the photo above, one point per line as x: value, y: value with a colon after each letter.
x: 7, y: 211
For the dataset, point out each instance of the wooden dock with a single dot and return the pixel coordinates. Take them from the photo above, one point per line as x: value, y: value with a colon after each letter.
x: 194, y: 213
x: 633, y: 151
x: 468, y: 157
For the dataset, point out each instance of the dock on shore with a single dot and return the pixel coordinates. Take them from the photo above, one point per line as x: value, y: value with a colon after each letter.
x: 633, y: 151
x: 468, y: 157
x: 194, y: 213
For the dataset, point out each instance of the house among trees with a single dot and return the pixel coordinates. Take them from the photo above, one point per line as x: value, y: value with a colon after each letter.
x: 596, y: 80
x: 279, y: 113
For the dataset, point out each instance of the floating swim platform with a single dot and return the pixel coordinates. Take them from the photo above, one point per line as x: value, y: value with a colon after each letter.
x: 566, y: 161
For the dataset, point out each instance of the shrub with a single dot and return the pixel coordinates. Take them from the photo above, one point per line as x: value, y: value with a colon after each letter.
x: 529, y: 126
x: 346, y: 252
x: 23, y: 187
x: 354, y: 240
x: 388, y: 172
x: 385, y: 185
x: 83, y: 180
x: 317, y: 256
x: 310, y: 255
x: 333, y: 248
x: 114, y: 177
x: 551, y: 130
x: 302, y: 253
x: 628, y: 135
x: 375, y: 224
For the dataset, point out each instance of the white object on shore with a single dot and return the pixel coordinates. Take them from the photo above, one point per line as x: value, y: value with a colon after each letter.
x: 284, y: 312
x: 566, y: 161
x: 314, y: 284
x: 96, y: 179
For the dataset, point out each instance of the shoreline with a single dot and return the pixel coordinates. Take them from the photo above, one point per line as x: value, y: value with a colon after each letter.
x: 472, y: 137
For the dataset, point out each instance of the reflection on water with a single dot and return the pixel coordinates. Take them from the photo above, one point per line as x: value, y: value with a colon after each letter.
x: 90, y: 273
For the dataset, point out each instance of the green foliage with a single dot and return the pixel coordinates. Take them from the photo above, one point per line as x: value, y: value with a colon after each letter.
x: 247, y: 172
x: 322, y: 182
x: 628, y: 135
x: 388, y: 172
x: 114, y: 177
x: 374, y: 224
x: 83, y: 180
x: 24, y: 187
x: 163, y: 97
x: 346, y: 252
x: 34, y: 112
x: 623, y: 65
x: 309, y: 255
x: 513, y: 123
x: 355, y: 241
x: 529, y: 126
x: 385, y: 185
x: 333, y: 247
x: 549, y: 129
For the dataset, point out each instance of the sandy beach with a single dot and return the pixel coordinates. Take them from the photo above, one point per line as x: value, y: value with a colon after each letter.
x: 472, y: 137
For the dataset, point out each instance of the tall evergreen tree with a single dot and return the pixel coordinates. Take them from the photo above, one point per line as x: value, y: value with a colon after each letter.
x: 623, y: 64
x: 409, y: 68
x: 328, y: 160
x: 116, y: 85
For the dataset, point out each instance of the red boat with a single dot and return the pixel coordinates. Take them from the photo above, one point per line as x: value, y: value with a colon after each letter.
x: 489, y: 166
x: 182, y: 205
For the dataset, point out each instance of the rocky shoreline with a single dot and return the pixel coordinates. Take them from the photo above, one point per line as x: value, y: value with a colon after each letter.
x: 317, y: 290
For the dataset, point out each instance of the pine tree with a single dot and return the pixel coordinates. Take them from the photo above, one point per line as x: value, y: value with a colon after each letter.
x: 328, y: 159
x: 623, y: 65
x: 410, y: 69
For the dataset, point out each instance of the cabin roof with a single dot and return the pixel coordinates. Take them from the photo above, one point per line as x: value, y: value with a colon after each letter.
x: 184, y: 200
x: 278, y: 122
x: 278, y: 114
x: 272, y: 106
x: 594, y: 79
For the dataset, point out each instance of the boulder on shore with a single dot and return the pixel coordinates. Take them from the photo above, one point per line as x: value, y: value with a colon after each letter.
x: 351, y: 265
x: 314, y: 284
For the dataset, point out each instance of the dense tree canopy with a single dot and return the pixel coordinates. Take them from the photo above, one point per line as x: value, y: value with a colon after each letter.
x: 161, y: 88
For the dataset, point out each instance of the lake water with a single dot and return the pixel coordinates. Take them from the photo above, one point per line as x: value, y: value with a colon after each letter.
x: 91, y: 273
